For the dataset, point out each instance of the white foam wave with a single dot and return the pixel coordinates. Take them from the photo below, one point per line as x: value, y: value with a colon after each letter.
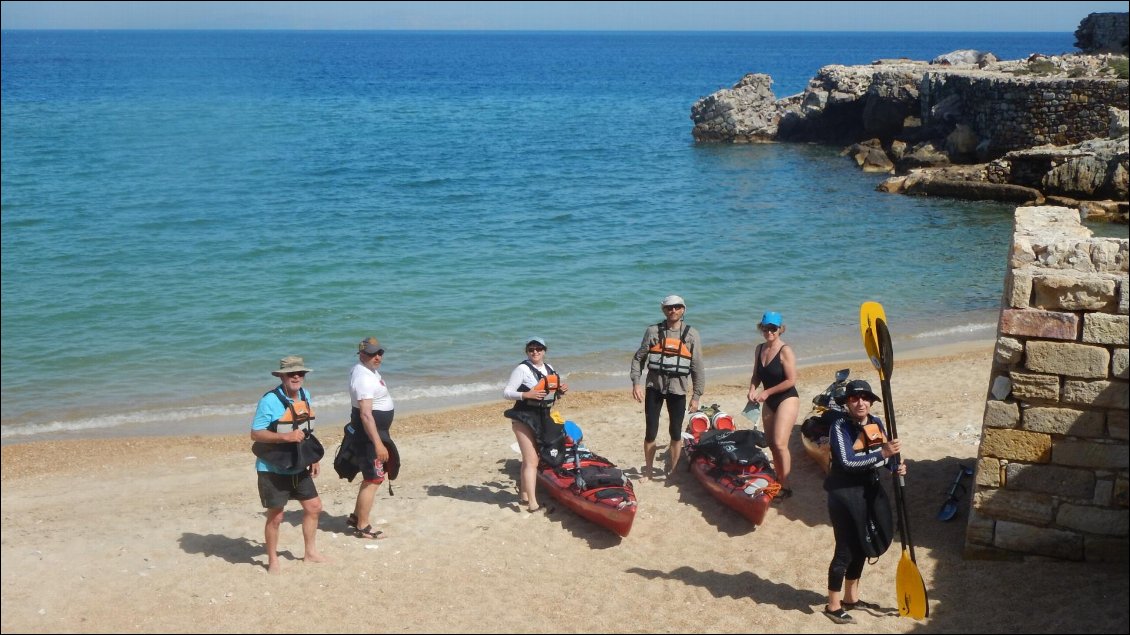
x: 972, y: 327
x: 143, y: 417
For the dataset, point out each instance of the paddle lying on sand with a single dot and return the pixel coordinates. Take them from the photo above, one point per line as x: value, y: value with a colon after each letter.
x: 909, y: 586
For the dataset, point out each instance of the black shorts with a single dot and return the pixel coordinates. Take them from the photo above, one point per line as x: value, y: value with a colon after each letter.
x: 372, y: 470
x: 276, y: 489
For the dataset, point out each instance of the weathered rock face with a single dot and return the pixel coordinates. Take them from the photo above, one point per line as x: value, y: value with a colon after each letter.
x: 1104, y: 33
x: 847, y: 104
x: 1039, y: 127
x: 746, y: 113
x: 1094, y: 169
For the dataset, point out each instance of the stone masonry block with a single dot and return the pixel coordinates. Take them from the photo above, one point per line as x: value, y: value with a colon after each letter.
x: 1103, y: 328
x: 1106, y: 550
x: 979, y: 530
x: 1021, y: 507
x: 1016, y: 445
x: 1099, y: 394
x: 1124, y: 295
x: 1030, y: 387
x: 1073, y: 293
x: 1099, y: 456
x: 1109, y: 255
x: 1046, y: 324
x: 1104, y: 493
x: 1054, y: 543
x: 1065, y: 421
x: 1094, y: 520
x: 1019, y: 294
x: 988, y: 472
x: 1117, y: 426
x: 1067, y: 358
x: 1000, y: 414
x: 1008, y: 350
x: 1051, y: 479
x: 1119, y: 362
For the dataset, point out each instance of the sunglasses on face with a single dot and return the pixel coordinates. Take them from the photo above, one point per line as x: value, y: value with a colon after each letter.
x: 380, y: 352
x: 297, y: 373
x: 770, y: 328
x: 674, y: 307
x: 533, y: 349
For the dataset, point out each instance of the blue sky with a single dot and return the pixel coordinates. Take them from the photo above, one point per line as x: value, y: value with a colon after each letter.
x: 586, y: 16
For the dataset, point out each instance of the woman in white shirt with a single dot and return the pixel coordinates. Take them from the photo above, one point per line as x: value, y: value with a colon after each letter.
x: 535, y: 387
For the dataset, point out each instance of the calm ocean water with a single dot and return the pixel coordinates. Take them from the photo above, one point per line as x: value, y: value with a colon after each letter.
x: 182, y: 209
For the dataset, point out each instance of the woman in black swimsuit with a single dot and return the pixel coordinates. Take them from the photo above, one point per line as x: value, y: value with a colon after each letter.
x: 774, y: 369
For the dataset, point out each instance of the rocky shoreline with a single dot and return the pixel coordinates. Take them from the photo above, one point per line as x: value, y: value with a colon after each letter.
x: 1046, y: 129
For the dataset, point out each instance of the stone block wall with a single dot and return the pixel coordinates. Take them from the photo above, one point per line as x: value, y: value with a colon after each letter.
x: 1010, y: 112
x: 1054, y: 459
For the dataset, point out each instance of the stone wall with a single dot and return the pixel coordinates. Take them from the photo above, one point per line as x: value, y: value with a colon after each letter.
x: 1011, y: 112
x: 1053, y: 464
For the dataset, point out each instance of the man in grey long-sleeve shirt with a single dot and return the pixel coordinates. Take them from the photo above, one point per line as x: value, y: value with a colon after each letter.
x: 671, y: 353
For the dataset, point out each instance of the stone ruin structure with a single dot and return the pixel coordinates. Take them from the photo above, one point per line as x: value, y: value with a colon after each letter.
x: 1046, y: 129
x: 1053, y: 463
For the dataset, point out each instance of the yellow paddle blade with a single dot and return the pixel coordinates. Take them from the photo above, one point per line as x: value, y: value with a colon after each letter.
x: 869, y: 312
x: 911, y: 590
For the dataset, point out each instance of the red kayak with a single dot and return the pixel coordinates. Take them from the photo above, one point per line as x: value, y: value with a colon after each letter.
x: 605, y: 496
x: 731, y: 467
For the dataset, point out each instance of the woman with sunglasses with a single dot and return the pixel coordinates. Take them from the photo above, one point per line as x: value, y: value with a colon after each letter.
x: 858, y: 507
x: 534, y: 386
x: 774, y: 369
x: 371, y: 419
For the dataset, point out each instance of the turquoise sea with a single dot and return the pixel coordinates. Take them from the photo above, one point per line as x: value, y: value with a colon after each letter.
x: 182, y: 209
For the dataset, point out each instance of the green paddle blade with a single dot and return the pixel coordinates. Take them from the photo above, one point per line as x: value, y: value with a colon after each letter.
x: 869, y: 313
x: 911, y: 590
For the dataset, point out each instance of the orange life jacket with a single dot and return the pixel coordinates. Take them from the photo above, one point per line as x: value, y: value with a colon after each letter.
x: 297, y: 413
x: 549, y: 383
x: 670, y: 355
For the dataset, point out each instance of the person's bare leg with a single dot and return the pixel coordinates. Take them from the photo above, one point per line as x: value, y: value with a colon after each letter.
x: 364, y: 505
x: 312, y: 509
x: 648, y: 456
x: 271, y: 538
x: 778, y: 428
x: 673, y: 454
x: 528, y: 477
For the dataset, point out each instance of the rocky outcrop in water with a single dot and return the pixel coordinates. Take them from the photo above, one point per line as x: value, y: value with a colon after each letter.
x: 964, y: 125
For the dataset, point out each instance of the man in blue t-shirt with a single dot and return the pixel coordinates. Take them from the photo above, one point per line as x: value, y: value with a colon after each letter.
x: 279, y: 419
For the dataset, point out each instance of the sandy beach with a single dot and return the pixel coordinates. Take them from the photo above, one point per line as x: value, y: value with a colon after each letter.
x: 165, y: 535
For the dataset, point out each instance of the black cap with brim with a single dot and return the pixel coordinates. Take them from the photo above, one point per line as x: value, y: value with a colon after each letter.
x: 857, y: 387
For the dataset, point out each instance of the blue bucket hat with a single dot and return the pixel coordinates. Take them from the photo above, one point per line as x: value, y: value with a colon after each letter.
x: 770, y: 317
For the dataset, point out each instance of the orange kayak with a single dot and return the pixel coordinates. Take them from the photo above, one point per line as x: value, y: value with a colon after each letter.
x: 607, y: 498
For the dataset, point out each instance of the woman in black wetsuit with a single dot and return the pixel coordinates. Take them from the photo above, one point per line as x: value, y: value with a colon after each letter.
x: 774, y: 369
x: 857, y: 503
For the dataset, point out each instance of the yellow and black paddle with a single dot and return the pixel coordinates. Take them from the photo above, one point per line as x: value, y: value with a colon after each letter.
x: 909, y: 586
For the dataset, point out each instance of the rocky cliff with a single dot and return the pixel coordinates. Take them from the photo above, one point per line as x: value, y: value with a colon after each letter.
x: 964, y: 125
